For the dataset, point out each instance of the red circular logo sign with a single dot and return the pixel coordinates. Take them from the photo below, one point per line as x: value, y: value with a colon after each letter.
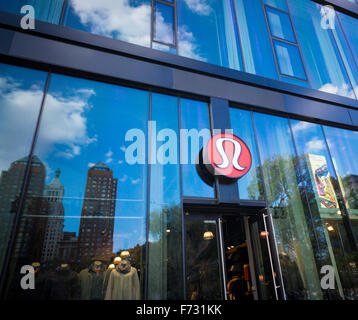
x: 227, y: 155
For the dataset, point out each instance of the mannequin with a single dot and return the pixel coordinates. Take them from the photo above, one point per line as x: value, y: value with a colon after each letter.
x: 62, y: 284
x: 92, y: 281
x: 112, y: 266
x: 123, y: 283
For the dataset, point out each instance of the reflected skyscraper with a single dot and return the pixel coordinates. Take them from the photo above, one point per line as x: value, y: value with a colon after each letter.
x: 53, y: 194
x: 95, y: 238
x: 10, y: 185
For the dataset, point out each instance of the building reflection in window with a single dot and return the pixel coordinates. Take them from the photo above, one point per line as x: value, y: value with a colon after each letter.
x: 295, y: 247
x: 86, y: 204
x: 324, y: 196
x: 21, y: 92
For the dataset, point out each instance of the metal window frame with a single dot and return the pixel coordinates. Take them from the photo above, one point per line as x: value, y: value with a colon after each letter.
x: 172, y: 4
x: 295, y: 44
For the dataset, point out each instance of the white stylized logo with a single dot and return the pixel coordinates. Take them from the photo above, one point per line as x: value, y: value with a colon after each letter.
x: 219, y: 143
x: 328, y: 16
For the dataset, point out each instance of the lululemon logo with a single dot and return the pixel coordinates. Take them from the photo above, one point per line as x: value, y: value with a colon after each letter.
x: 228, y: 156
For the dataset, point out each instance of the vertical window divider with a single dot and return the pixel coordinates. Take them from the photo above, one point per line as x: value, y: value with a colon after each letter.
x: 63, y: 12
x: 21, y: 198
x: 152, y: 23
x: 182, y: 209
x: 175, y: 26
x: 148, y: 157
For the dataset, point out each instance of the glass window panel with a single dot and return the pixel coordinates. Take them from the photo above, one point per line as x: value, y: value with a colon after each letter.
x: 90, y: 180
x: 289, y: 60
x: 295, y: 81
x: 164, y: 47
x: 194, y: 118
x: 128, y: 20
x: 343, y: 145
x: 321, y: 185
x: 250, y: 185
x: 300, y: 274
x: 348, y: 51
x: 21, y: 92
x: 164, y: 25
x: 280, y: 24
x: 279, y: 4
x: 206, y: 32
x: 45, y: 10
x: 326, y: 71
x: 255, y: 40
x: 165, y: 233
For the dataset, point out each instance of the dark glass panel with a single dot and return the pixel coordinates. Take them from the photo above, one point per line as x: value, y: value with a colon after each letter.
x: 202, y: 260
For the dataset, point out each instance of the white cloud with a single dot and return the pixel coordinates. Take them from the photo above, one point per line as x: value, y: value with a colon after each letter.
x: 109, y: 153
x: 116, y: 17
x: 315, y: 145
x: 108, y: 156
x: 63, y: 123
x: 199, y: 6
x: 91, y: 164
x: 301, y: 126
x: 124, y: 178
x: 343, y: 90
x: 135, y: 181
x: 187, y: 46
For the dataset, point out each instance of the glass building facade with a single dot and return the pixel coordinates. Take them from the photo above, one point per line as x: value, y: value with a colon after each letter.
x: 103, y: 193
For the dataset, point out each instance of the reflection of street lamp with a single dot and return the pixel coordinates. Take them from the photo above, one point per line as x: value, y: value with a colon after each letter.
x: 264, y: 234
x: 124, y: 254
x: 117, y: 260
x: 330, y: 228
x: 111, y: 266
x: 208, y: 235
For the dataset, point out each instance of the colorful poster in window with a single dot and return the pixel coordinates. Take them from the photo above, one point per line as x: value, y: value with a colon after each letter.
x: 322, y: 181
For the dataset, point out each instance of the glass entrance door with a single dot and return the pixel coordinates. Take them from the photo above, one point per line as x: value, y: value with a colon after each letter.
x: 203, y: 259
x: 228, y: 257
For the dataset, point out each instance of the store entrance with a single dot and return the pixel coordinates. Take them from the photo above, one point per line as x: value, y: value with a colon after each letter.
x: 228, y: 257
